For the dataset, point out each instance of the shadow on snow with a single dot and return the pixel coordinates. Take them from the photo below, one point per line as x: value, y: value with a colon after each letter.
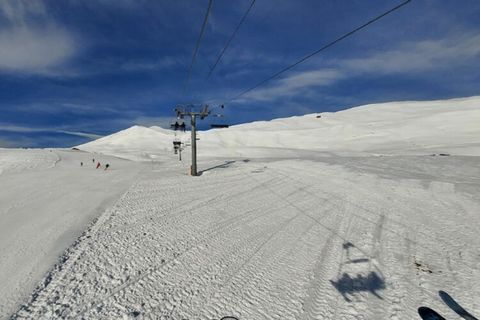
x: 347, y: 284
x: 220, y: 166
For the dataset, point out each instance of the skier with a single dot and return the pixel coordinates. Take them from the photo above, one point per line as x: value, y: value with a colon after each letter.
x: 98, y: 165
x: 81, y: 164
x: 106, y: 166
x: 93, y: 160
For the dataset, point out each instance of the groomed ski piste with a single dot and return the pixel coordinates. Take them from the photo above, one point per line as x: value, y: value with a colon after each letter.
x: 366, y: 213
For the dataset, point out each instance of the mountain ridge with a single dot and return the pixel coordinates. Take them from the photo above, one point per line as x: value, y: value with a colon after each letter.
x: 405, y: 127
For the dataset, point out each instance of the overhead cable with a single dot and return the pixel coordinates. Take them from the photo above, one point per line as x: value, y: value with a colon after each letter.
x: 231, y: 38
x: 346, y: 35
x: 197, y: 45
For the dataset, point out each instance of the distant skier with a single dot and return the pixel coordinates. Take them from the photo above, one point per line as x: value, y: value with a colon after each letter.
x: 106, y: 166
x: 81, y: 164
x: 93, y: 160
x: 98, y: 165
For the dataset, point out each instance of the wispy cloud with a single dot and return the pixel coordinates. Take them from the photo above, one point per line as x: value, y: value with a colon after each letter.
x: 21, y: 129
x: 298, y: 83
x: 151, y: 65
x: 31, y: 42
x: 239, y: 57
x: 73, y: 108
x: 81, y: 134
x: 406, y: 58
x: 418, y: 56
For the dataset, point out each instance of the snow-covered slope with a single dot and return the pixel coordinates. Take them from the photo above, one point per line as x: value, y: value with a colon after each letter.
x: 444, y: 126
x: 337, y: 238
x: 20, y: 160
x: 135, y: 143
x: 47, y: 199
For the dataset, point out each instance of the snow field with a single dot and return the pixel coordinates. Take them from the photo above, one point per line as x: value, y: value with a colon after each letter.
x: 46, y: 201
x: 18, y: 160
x: 284, y: 239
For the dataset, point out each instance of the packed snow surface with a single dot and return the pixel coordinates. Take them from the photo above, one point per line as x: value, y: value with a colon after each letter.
x: 367, y: 213
x: 22, y: 160
x: 46, y: 201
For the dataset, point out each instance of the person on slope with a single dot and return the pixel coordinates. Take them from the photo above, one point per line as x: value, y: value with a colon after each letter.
x: 106, y: 166
x: 98, y: 165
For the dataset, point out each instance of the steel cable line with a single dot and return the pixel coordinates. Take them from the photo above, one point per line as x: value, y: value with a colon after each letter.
x: 197, y: 45
x: 318, y: 51
x: 231, y: 38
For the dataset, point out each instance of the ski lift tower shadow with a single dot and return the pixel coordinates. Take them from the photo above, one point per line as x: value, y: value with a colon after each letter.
x: 220, y: 166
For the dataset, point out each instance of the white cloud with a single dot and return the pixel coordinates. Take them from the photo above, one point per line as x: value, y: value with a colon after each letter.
x: 17, y: 11
x: 75, y: 109
x: 406, y: 58
x: 23, y: 49
x: 164, y: 63
x: 418, y: 56
x: 31, y: 42
x: 20, y: 129
x: 80, y: 134
x: 298, y: 83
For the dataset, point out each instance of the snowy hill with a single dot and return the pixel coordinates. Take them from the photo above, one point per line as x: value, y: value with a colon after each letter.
x: 136, y: 142
x: 445, y: 126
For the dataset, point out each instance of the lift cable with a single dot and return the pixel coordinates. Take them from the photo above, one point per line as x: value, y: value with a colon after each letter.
x: 231, y: 38
x: 197, y: 45
x: 318, y: 51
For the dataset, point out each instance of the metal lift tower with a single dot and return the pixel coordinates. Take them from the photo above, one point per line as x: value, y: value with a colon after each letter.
x: 188, y: 111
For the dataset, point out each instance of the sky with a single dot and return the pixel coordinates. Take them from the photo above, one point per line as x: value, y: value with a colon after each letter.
x: 75, y: 70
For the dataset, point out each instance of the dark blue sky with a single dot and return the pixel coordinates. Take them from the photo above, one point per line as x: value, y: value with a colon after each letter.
x: 77, y: 66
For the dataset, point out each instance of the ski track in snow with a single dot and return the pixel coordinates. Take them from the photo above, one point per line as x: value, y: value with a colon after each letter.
x: 345, y: 238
